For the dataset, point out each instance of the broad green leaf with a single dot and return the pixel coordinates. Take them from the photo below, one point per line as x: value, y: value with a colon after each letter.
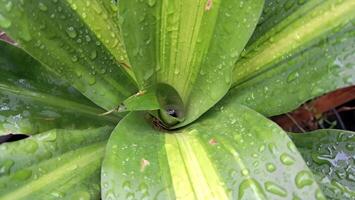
x: 58, y: 164
x: 33, y: 100
x: 78, y: 40
x: 313, y: 68
x: 330, y: 155
x: 231, y: 153
x: 291, y: 34
x: 276, y: 11
x: 189, y: 45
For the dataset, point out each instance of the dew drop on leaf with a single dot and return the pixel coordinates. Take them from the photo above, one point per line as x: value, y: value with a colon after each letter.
x: 31, y: 146
x: 245, y: 172
x: 22, y: 175
x: 249, y: 187
x: 270, y: 167
x: 42, y: 7
x: 292, y: 76
x: 5, y: 167
x: 151, y: 3
x: 275, y: 189
x: 71, y: 32
x: 126, y: 185
x: 286, y: 159
x: 303, y: 178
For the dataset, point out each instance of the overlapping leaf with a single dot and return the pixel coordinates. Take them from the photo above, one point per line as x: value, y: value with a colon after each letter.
x: 58, y: 164
x: 231, y: 153
x: 78, y: 40
x: 33, y: 100
x: 330, y: 155
x: 308, y: 53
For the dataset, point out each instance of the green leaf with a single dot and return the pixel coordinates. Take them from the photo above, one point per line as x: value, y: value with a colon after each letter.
x: 316, y: 57
x: 330, y: 155
x: 189, y: 45
x: 58, y: 164
x: 78, y: 40
x: 231, y: 153
x: 32, y: 100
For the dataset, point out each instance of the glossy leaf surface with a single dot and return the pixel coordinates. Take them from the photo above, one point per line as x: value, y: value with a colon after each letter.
x: 323, y: 60
x: 330, y: 155
x: 58, y: 164
x: 189, y: 45
x: 33, y: 100
x: 225, y: 155
x: 78, y: 40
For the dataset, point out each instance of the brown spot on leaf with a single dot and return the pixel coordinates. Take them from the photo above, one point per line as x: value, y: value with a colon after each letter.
x: 213, y: 141
x: 144, y: 163
x: 208, y: 5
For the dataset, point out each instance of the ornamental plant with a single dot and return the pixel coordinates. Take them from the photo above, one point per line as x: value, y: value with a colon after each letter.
x: 158, y: 99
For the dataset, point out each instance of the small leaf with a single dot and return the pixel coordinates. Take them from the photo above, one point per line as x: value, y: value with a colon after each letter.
x: 58, y: 164
x: 330, y: 155
x: 225, y: 155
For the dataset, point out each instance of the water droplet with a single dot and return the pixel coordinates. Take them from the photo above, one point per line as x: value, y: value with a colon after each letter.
x: 176, y: 71
x: 248, y: 188
x: 270, y: 167
x: 286, y: 159
x: 319, y: 195
x: 22, y: 175
x: 93, y: 54
x: 126, y: 185
x: 42, y: 7
x: 303, y: 178
x: 272, y: 148
x: 5, y: 167
x: 291, y: 147
x: 292, y: 76
x: 245, y: 172
x: 74, y: 58
x: 151, y: 3
x: 261, y: 148
x: 275, y: 189
x: 143, y: 188
x: 130, y: 196
x: 31, y: 146
x: 71, y: 32
x: 50, y: 137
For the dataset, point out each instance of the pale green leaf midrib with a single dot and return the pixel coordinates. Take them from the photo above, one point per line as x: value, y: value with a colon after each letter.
x: 320, y: 24
x: 60, y: 172
x: 187, y: 67
x: 203, y: 182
